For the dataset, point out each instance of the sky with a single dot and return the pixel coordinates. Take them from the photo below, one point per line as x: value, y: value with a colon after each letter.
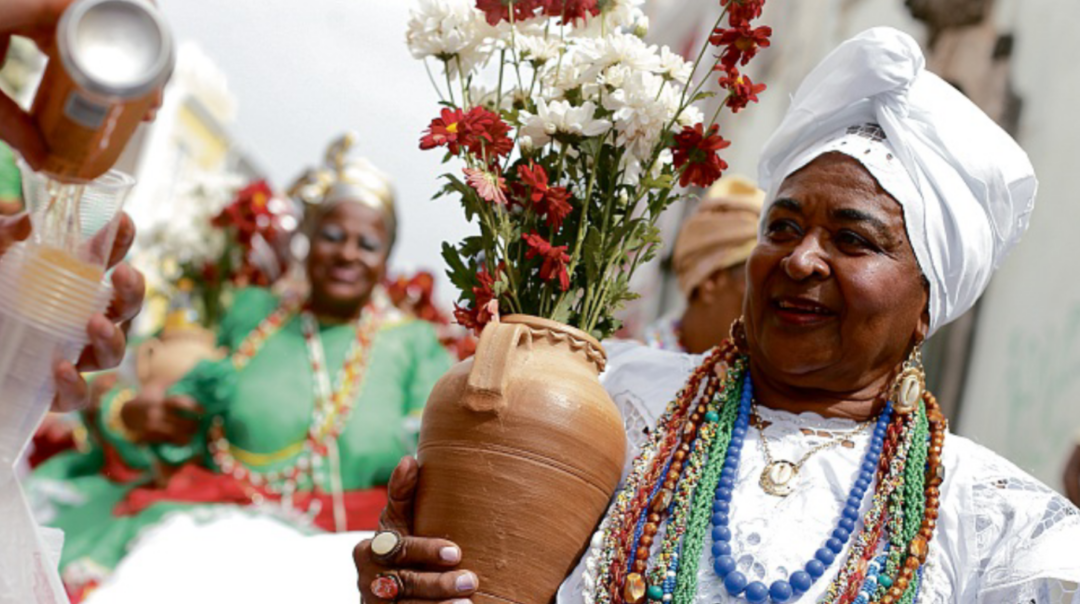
x: 304, y: 71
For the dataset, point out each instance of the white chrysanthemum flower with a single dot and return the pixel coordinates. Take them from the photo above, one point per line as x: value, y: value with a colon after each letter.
x: 614, y: 15
x: 449, y: 30
x: 689, y: 116
x: 538, y: 49
x: 560, y: 117
x: 641, y: 111
x: 597, y: 54
x: 673, y: 66
x: 615, y: 76
x: 567, y: 77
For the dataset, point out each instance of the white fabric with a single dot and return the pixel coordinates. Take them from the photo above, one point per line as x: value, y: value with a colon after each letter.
x: 1003, y: 537
x: 975, y: 186
x: 236, y: 557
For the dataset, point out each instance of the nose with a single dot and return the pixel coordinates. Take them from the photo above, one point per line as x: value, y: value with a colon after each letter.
x: 807, y: 260
x: 349, y: 251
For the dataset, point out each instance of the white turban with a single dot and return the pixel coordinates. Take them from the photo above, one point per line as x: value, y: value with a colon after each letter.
x: 966, y: 187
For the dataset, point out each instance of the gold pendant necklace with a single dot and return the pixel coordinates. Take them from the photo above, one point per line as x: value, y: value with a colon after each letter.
x: 778, y: 477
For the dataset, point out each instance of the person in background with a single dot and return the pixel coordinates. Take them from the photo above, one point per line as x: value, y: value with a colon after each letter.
x: 710, y: 265
x: 316, y: 400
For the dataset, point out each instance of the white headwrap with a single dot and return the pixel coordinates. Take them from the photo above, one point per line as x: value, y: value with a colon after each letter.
x: 966, y: 187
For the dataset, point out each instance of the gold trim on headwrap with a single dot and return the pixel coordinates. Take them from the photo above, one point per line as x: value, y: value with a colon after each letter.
x: 720, y: 233
x: 344, y: 177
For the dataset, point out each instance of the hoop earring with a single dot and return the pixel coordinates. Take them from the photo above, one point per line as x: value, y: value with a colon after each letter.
x: 910, y: 384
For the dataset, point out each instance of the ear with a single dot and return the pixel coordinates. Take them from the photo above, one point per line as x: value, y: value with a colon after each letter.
x: 923, y: 327
x: 706, y: 292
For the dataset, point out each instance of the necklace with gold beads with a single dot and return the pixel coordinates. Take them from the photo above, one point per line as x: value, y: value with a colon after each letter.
x: 680, y: 493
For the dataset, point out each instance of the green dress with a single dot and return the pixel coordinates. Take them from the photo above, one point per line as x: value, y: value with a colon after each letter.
x: 10, y: 180
x: 266, y: 410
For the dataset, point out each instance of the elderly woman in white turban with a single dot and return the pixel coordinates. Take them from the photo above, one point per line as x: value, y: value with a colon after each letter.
x: 803, y: 460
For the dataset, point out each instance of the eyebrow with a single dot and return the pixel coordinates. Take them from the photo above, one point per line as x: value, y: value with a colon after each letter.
x: 858, y: 216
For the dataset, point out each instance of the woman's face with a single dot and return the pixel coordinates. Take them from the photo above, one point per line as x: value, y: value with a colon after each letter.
x: 835, y: 296
x: 349, y: 248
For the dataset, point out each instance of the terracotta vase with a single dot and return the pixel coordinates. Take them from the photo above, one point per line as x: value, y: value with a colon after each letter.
x: 166, y: 358
x: 520, y: 451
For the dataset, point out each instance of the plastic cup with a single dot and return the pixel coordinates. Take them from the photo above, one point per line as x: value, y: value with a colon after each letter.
x: 50, y: 286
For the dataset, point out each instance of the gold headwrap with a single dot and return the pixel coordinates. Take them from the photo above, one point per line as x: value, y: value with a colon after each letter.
x: 720, y: 233
x: 344, y: 178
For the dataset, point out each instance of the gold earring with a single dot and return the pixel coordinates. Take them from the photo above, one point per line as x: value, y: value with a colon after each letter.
x: 910, y: 383
x: 738, y: 335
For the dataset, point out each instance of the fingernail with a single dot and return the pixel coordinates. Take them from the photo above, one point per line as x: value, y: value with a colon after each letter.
x: 466, y: 581
x: 462, y: 601
x: 105, y: 330
x: 69, y: 375
x: 450, y: 554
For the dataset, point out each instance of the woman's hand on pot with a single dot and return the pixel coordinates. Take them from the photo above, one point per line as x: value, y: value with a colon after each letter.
x: 426, y: 569
x: 154, y: 418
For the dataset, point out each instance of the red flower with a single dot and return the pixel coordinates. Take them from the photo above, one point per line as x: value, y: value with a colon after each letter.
x: 467, y: 318
x: 697, y: 150
x: 743, y: 11
x: 489, y: 185
x: 535, y: 178
x: 571, y: 10
x: 555, y: 259
x: 499, y: 10
x: 487, y: 134
x: 447, y: 130
x: 741, y: 43
x: 485, y: 305
x: 555, y: 206
x: 742, y: 90
x: 480, y: 131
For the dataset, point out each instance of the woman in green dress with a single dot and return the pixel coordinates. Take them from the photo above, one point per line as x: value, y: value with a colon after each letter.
x: 317, y: 400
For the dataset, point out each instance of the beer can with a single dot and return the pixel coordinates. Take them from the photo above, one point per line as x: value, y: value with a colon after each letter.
x: 109, y: 60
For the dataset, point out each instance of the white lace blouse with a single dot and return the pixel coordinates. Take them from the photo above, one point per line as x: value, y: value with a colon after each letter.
x: 1002, y: 536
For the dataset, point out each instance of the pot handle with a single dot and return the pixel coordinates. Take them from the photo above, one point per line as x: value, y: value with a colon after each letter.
x: 496, y: 354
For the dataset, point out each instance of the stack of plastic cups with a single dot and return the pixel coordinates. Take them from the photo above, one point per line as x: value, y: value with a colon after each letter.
x: 50, y: 286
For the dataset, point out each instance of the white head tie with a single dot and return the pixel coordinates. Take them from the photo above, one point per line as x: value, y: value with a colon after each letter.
x: 966, y: 187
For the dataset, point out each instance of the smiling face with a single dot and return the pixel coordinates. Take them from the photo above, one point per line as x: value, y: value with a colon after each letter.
x: 349, y: 249
x: 835, y: 297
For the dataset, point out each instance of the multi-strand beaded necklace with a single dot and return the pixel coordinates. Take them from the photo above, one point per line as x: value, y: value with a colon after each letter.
x: 331, y: 410
x: 679, y: 493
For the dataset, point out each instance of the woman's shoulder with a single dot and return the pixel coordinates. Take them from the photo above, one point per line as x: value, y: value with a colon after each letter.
x: 1019, y: 534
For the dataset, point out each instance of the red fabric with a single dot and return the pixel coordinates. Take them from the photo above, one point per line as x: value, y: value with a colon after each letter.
x: 195, y: 484
x: 116, y: 470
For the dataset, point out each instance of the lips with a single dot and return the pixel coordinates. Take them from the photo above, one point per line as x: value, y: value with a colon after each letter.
x: 796, y: 310
x: 344, y: 274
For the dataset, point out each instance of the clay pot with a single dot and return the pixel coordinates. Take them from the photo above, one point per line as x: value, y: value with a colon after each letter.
x: 520, y: 452
x: 165, y: 359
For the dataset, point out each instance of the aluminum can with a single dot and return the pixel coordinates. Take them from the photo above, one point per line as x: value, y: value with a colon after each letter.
x: 107, y: 65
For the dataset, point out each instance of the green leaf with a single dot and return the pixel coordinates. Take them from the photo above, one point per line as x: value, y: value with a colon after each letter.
x: 460, y: 275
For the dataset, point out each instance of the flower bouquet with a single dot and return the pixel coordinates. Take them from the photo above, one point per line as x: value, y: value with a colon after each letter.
x: 224, y: 237
x: 584, y: 139
x: 572, y: 135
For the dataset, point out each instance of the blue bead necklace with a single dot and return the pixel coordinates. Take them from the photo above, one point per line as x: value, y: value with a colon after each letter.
x: 799, y: 582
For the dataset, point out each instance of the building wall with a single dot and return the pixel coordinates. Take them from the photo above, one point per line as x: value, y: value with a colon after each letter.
x: 1022, y: 397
